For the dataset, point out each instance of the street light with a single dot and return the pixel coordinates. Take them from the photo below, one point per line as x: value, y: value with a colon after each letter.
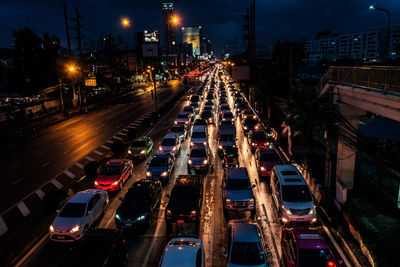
x: 372, y: 7
x: 125, y: 22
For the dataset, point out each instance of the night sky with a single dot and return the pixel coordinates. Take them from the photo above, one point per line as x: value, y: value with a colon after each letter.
x: 221, y: 19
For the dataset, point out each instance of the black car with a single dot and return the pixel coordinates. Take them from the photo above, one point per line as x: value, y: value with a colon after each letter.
x: 140, y: 206
x: 180, y: 130
x: 207, y: 115
x: 98, y: 248
x: 200, y: 121
x: 250, y: 124
x: 184, y: 204
x: 231, y: 156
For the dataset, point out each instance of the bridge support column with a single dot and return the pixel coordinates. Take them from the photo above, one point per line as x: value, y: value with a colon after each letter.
x: 346, y: 155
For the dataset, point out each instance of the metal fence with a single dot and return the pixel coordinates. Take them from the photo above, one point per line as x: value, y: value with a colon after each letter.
x: 385, y: 79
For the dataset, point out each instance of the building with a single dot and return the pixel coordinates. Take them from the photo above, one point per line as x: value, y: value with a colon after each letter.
x: 169, y: 29
x: 193, y: 35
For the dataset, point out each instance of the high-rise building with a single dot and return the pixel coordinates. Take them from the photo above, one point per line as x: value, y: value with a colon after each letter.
x: 169, y: 29
x: 193, y: 35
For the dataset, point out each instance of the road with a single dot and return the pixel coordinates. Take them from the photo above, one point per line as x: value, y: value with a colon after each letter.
x: 33, y: 161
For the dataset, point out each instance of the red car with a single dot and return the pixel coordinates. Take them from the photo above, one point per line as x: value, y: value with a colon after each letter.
x: 306, y: 247
x: 114, y: 174
x: 266, y: 159
x: 258, y: 139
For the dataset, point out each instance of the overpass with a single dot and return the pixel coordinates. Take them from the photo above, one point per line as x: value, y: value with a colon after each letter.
x: 357, y: 90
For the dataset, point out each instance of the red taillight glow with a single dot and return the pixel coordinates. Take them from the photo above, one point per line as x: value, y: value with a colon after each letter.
x: 331, y: 264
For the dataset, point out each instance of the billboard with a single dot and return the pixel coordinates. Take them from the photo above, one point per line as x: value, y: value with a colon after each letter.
x: 150, y: 50
x: 192, y: 35
x: 151, y: 36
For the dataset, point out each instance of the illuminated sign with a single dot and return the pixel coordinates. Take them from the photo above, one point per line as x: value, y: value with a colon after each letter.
x: 91, y: 81
x: 151, y: 36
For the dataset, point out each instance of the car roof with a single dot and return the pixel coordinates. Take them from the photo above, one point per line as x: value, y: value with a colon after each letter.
x: 115, y: 162
x: 238, y: 173
x: 141, y: 138
x: 170, y: 135
x: 244, y: 231
x: 199, y: 128
x: 309, y: 239
x: 290, y: 175
x: 84, y: 196
x: 181, y: 254
x: 183, y: 113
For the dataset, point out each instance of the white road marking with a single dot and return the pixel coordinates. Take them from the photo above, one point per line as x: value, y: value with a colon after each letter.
x: 131, y: 127
x: 23, y: 209
x: 105, y: 147
x: 116, y: 137
x: 98, y: 152
x: 3, y: 226
x: 135, y: 124
x: 338, y: 249
x: 69, y: 174
x: 57, y: 184
x: 123, y: 134
x: 40, y: 193
x: 124, y: 130
x: 79, y: 165
x: 110, y: 141
x: 16, y: 181
x: 27, y: 255
x: 47, y: 163
x: 89, y: 158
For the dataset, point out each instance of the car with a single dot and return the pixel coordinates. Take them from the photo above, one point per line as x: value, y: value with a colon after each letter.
x: 239, y: 107
x: 231, y: 156
x: 183, y: 251
x: 291, y: 195
x: 185, y: 201
x: 272, y: 135
x: 250, y: 124
x: 188, y: 109
x: 199, y: 136
x: 200, y: 122
x: 207, y: 115
x: 258, y: 139
x: 237, y: 191
x: 183, y: 118
x: 209, y: 104
x: 195, y: 106
x: 223, y: 101
x: 227, y: 116
x: 114, y: 174
x: 210, y: 96
x: 180, y: 130
x: 140, y: 147
x: 306, y: 247
x: 171, y: 143
x: 161, y: 166
x: 198, y: 158
x: 246, y: 245
x: 78, y: 215
x: 266, y: 159
x: 140, y: 206
x: 224, y: 108
x: 226, y: 137
x: 106, y: 247
x: 194, y: 99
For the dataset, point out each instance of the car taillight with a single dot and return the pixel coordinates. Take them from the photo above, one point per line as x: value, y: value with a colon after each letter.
x: 331, y: 264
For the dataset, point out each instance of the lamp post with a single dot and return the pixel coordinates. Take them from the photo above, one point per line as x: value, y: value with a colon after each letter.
x: 67, y: 70
x: 387, y: 12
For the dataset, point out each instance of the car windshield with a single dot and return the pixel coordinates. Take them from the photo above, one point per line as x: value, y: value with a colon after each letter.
x: 249, y: 121
x: 227, y: 122
x: 168, y: 142
x: 314, y: 257
x: 136, y: 196
x: 206, y: 114
x: 238, y: 184
x: 200, y: 122
x: 224, y: 107
x: 73, y: 210
x: 226, y: 138
x: 182, y: 116
x: 138, y: 144
x: 296, y: 193
x: 269, y: 157
x: 230, y: 151
x: 159, y: 162
x: 199, y: 135
x: 247, y: 253
x: 183, y: 193
x: 259, y: 136
x: 228, y: 115
x: 198, y: 153
x: 177, y: 129
x: 188, y: 109
x: 110, y: 170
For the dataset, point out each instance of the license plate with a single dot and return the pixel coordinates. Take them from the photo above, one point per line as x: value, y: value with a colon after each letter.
x: 181, y: 221
x: 128, y: 224
x: 61, y: 237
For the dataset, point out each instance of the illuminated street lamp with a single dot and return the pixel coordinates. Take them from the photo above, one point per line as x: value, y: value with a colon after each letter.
x: 372, y: 7
x: 125, y: 22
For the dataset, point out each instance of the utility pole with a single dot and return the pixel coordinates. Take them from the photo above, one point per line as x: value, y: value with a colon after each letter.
x: 67, y: 29
x: 78, y: 31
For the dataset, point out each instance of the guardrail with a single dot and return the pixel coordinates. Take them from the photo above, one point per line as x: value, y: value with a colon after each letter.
x: 384, y: 79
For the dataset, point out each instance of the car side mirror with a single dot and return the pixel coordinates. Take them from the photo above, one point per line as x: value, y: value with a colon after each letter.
x: 89, y: 212
x: 277, y: 193
x: 58, y: 210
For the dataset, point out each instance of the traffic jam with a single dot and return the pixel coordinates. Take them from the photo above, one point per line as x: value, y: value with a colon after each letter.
x: 214, y: 191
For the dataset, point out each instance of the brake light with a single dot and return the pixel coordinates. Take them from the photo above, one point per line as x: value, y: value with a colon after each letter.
x: 331, y: 264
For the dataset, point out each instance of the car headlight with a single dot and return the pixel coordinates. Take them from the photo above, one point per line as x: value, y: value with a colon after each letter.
x: 143, y: 151
x: 117, y: 217
x: 253, y: 144
x: 168, y: 212
x: 205, y: 161
x: 245, y: 127
x: 204, y: 143
x: 129, y: 151
x: 96, y: 183
x: 175, y: 122
x: 164, y: 174
x: 75, y: 229
x: 220, y: 146
x: 173, y: 149
x: 190, y: 161
x: 256, y: 127
x: 51, y: 228
x: 193, y: 212
x: 148, y: 173
x: 160, y: 148
x: 140, y: 218
x: 312, y: 211
x: 115, y: 183
x: 262, y: 168
x: 284, y: 209
x: 191, y: 143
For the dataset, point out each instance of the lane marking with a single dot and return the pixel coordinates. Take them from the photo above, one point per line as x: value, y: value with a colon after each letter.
x: 124, y: 130
x: 56, y: 183
x: 79, y: 165
x: 131, y: 127
x: 338, y: 249
x: 23, y: 209
x: 40, y: 193
x: 105, y: 147
x: 16, y: 181
x: 46, y: 164
x: 116, y: 137
x: 27, y: 255
x: 110, y: 141
x: 69, y: 174
x: 123, y: 134
x: 89, y: 158
x: 98, y: 152
x: 3, y: 226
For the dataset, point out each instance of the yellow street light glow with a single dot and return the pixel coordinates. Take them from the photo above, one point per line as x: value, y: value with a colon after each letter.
x: 175, y: 20
x: 125, y: 22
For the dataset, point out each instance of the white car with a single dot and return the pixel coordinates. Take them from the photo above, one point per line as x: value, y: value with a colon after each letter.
x: 199, y: 135
x: 78, y: 215
x: 171, y: 143
x: 183, y: 252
